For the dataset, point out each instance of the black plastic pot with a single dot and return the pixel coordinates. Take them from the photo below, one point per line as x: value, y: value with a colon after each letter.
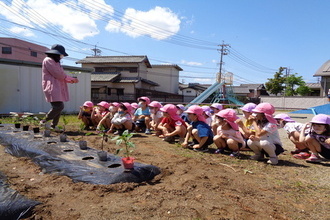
x: 36, y: 130
x: 63, y: 137
x: 83, y: 145
x: 17, y: 125
x: 102, y: 155
x: 47, y: 133
x: 26, y: 127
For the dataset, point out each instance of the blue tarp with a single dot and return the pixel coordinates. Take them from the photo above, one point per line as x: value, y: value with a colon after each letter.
x: 320, y: 109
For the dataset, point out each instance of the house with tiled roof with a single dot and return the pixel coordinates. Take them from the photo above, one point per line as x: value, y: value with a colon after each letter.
x: 324, y: 73
x: 125, y: 78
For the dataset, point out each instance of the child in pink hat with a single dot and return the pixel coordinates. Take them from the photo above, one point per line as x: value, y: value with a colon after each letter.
x: 245, y: 126
x: 318, y: 140
x: 207, y: 114
x: 140, y: 114
x: 85, y: 114
x: 122, y: 120
x: 156, y: 116
x: 228, y: 136
x: 171, y: 124
x: 215, y: 108
x: 266, y: 139
x: 198, y: 129
x: 293, y: 130
x: 99, y: 112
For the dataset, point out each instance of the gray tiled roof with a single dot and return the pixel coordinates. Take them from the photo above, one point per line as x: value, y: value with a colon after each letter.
x: 104, y: 77
x: 134, y: 80
x: 240, y: 90
x: 324, y: 70
x: 313, y: 85
x: 114, y: 59
x: 167, y: 65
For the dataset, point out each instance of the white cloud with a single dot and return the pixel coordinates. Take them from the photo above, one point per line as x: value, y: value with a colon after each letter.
x: 158, y: 23
x: 192, y: 63
x: 46, y: 14
x: 23, y: 31
x: 98, y: 8
x: 113, y: 26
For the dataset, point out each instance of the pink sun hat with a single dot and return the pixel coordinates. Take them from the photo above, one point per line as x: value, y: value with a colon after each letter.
x: 267, y: 109
x: 284, y: 117
x: 134, y: 105
x: 217, y: 106
x: 116, y: 104
x: 88, y: 104
x: 144, y: 98
x: 171, y: 110
x: 104, y: 104
x: 248, y: 107
x: 197, y: 110
x: 320, y: 119
x: 155, y: 104
x: 230, y: 116
x: 128, y: 106
x: 180, y: 106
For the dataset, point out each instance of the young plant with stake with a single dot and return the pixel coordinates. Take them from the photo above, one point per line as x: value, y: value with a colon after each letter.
x: 104, y: 135
x: 125, y: 139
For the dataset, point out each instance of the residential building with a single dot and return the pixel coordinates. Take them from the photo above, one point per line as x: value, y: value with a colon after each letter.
x: 324, y: 73
x: 316, y: 89
x: 15, y: 49
x: 167, y: 77
x: 125, y: 78
x: 191, y: 90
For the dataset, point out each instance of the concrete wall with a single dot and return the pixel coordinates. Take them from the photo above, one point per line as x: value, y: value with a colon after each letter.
x: 21, y: 91
x: 294, y: 102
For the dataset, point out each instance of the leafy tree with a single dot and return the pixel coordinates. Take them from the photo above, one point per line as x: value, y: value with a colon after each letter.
x: 275, y: 85
x: 295, y: 85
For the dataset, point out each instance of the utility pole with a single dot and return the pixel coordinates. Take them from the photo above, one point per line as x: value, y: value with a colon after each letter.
x: 97, y: 52
x: 223, y: 52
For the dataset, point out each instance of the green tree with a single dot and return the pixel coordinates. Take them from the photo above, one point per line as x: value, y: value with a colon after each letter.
x: 303, y: 90
x: 275, y: 85
x: 295, y: 85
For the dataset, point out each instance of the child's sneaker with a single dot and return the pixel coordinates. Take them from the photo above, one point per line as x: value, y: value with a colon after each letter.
x: 272, y: 161
x: 314, y: 159
x: 234, y: 154
x: 169, y: 139
x: 147, y: 131
x: 201, y: 149
x: 219, y: 151
x: 302, y: 155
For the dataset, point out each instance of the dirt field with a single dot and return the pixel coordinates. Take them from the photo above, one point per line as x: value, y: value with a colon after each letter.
x: 192, y: 185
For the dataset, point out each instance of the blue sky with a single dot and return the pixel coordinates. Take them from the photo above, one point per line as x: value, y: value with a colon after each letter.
x: 263, y: 34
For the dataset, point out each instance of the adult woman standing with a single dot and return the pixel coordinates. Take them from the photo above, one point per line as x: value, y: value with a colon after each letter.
x: 54, y: 84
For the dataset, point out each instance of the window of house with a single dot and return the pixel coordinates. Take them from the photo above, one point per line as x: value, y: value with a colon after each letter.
x: 188, y: 91
x: 120, y: 91
x: 109, y: 91
x: 6, y: 50
x: 33, y: 54
x: 95, y: 93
